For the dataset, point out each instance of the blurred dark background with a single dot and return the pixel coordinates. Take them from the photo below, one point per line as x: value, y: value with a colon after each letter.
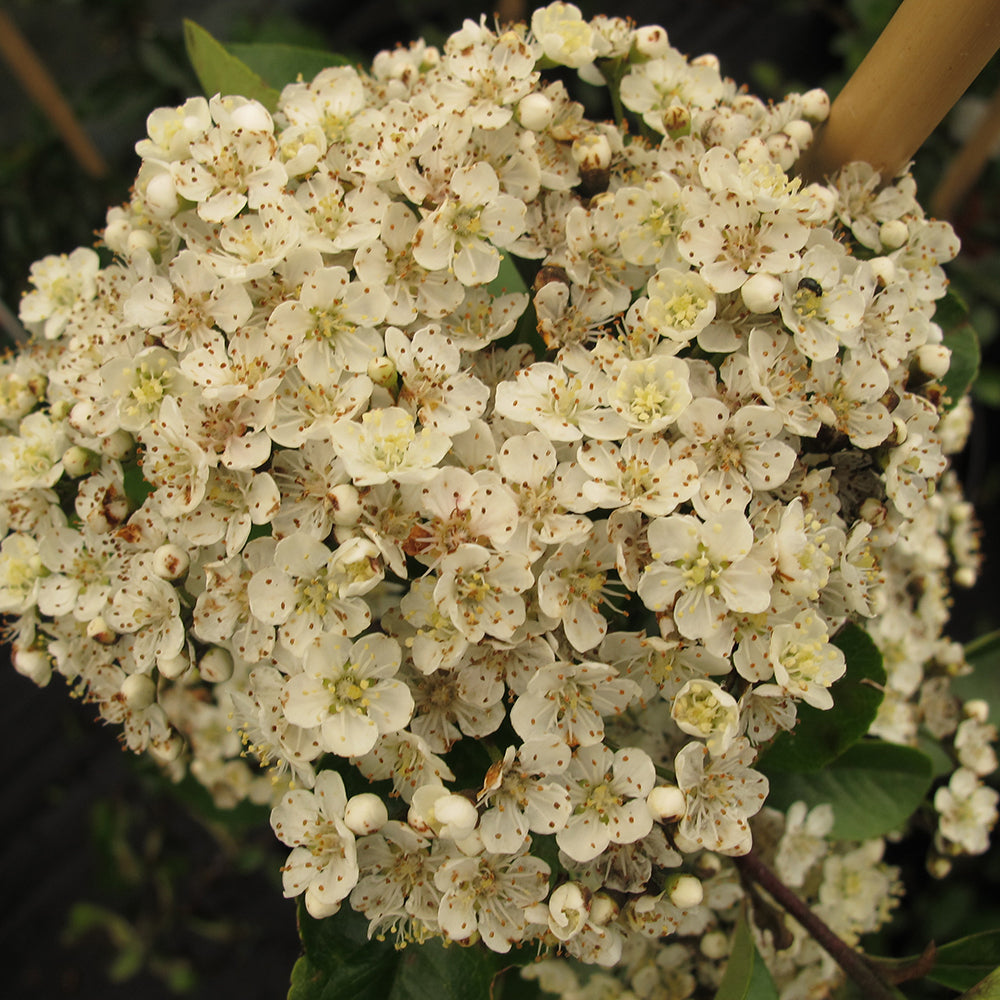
x: 113, y: 887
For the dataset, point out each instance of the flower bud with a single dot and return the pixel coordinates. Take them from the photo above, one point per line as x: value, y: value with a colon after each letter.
x: 318, y: 909
x: 140, y: 241
x: 934, y: 360
x: 99, y: 630
x: 535, y: 112
x: 873, y: 512
x: 567, y: 910
x: 976, y: 708
x: 117, y: 445
x: 365, y: 813
x: 168, y: 749
x: 666, y: 803
x: 79, y: 461
x: 761, y: 292
x: 139, y: 691
x: 346, y: 502
x: 800, y: 132
x: 603, y: 909
x: 883, y: 269
x: 216, y: 666
x: 170, y: 562
x: 35, y: 664
x: 893, y: 234
x: 383, y: 372
x: 685, y: 891
x: 783, y: 149
x: 708, y: 59
x: 714, y: 945
x: 816, y: 105
x: 456, y: 815
x: 172, y: 667
x: 651, y: 41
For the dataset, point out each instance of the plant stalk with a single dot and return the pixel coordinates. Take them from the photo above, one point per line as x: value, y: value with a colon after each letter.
x: 920, y: 66
x: 853, y: 963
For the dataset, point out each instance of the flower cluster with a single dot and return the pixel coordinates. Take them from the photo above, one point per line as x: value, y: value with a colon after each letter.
x: 427, y: 430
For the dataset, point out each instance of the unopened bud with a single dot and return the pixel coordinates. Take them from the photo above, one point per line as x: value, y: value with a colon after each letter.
x: 934, y: 360
x: 761, y: 292
x: 603, y: 909
x: 707, y: 59
x: 651, y: 41
x: 99, y: 630
x: 365, y: 813
x: 976, y: 708
x: 893, y: 234
x: 383, y: 372
x: 172, y: 667
x: 873, y: 512
x: 816, y: 105
x: 35, y: 664
x: 139, y: 691
x: 79, y: 461
x: 456, y: 815
x: 685, y: 891
x: 801, y: 132
x: 666, y: 803
x: 783, y: 149
x: 170, y: 562
x: 714, y: 945
x: 346, y: 503
x: 535, y: 112
x: 216, y: 666
x: 884, y: 270
x: 118, y: 444
x: 168, y: 749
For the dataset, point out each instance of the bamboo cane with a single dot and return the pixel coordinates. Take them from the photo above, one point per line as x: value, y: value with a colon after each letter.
x: 920, y: 66
x: 44, y: 91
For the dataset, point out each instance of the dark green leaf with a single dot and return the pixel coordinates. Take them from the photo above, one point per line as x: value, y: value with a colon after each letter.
x: 746, y: 976
x: 220, y: 72
x: 342, y: 964
x: 874, y: 787
x: 277, y: 65
x: 983, y: 655
x: 821, y: 737
x: 962, y: 964
x: 987, y: 989
x: 960, y: 337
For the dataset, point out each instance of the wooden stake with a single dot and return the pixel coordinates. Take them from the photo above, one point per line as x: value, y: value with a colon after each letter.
x: 44, y: 91
x: 968, y: 164
x: 920, y: 66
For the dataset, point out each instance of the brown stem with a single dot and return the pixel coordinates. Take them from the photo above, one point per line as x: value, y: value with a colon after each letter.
x: 853, y: 963
x: 920, y: 66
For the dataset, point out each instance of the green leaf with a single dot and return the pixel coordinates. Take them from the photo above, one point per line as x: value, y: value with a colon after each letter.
x: 874, y: 787
x: 983, y: 655
x: 279, y: 64
x: 746, y: 976
x: 963, y: 964
x: 960, y: 338
x: 986, y: 989
x: 822, y: 736
x: 340, y: 963
x: 220, y: 72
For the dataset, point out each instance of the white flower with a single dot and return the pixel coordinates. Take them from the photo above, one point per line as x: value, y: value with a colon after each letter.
x: 704, y: 570
x: 569, y: 701
x: 804, y: 841
x: 968, y: 811
x: 21, y: 570
x: 386, y: 446
x: 565, y: 37
x: 490, y: 894
x: 464, y: 232
x: 323, y: 863
x: 608, y: 798
x: 651, y: 393
x: 62, y: 283
x: 702, y: 708
x: 349, y: 692
x: 805, y: 662
x: 525, y: 791
x: 722, y: 793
